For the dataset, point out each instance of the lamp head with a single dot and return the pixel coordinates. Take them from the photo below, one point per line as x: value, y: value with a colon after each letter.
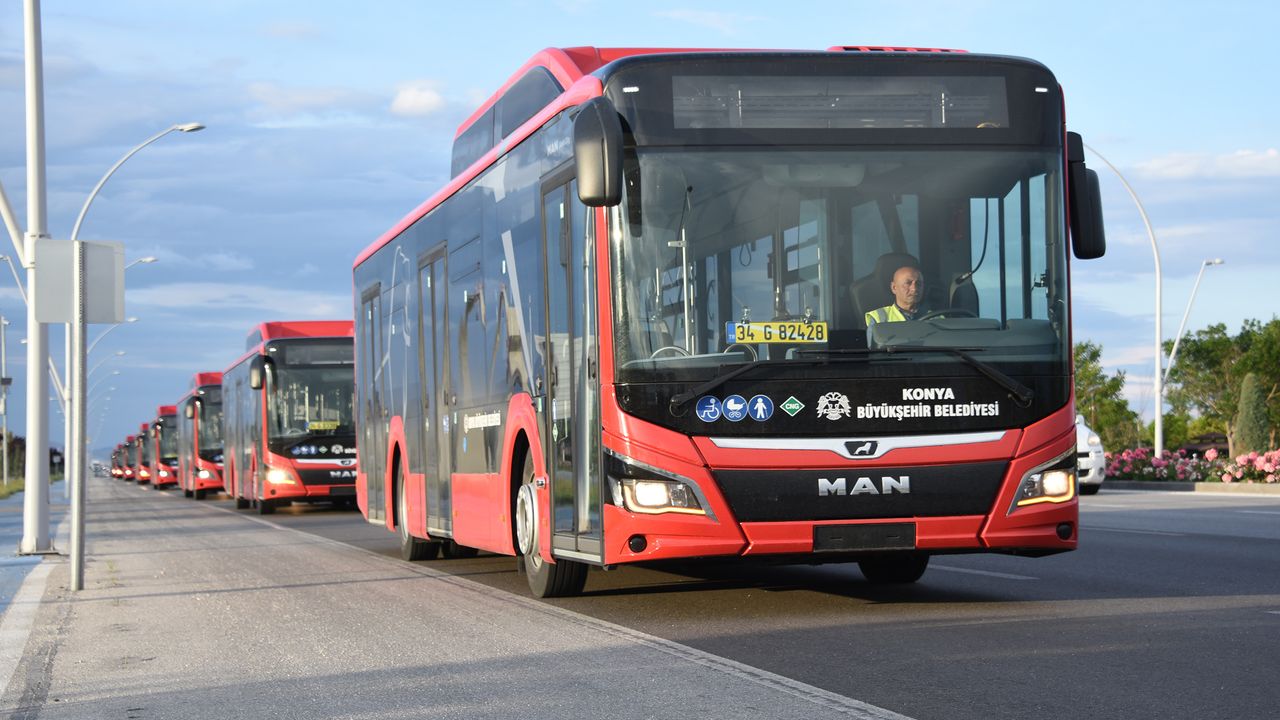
x: 189, y: 127
x: 131, y: 319
x: 1215, y: 261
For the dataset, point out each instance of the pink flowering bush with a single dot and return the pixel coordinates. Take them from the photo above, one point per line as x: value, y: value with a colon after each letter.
x: 1254, y: 467
x: 1141, y: 464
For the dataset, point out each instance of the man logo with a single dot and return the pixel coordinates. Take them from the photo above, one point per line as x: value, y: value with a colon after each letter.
x: 864, y: 449
x: 342, y: 474
x: 865, y: 486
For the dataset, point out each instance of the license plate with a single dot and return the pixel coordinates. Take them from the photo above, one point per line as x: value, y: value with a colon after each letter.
x: 864, y: 536
x: 777, y: 332
x: 340, y: 491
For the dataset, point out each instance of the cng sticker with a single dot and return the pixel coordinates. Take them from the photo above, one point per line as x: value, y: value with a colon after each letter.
x: 792, y: 406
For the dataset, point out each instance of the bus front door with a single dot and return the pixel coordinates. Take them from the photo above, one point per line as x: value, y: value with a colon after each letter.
x: 571, y: 430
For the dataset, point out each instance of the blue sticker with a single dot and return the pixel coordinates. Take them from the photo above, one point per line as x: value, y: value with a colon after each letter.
x: 735, y: 408
x: 708, y: 408
x: 760, y: 408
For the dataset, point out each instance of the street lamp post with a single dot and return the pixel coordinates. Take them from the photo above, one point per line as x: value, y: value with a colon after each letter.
x: 5, y: 381
x: 1173, y: 353
x: 76, y: 371
x: 1158, y: 379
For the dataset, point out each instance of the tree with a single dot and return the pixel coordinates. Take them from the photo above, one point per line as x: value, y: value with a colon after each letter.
x: 1252, y: 428
x: 1210, y: 368
x: 1100, y: 398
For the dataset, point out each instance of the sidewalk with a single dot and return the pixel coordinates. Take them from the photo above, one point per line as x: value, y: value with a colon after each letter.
x: 194, y: 611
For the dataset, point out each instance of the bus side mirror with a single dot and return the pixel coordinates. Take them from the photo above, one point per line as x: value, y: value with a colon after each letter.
x: 190, y: 409
x: 1088, y: 236
x: 597, y: 153
x: 257, y: 367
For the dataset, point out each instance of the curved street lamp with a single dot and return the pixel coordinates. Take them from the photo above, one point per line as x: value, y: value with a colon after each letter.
x: 1155, y: 251
x: 1173, y: 353
x: 75, y: 368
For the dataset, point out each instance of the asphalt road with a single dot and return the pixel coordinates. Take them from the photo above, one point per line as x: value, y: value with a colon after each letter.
x: 1170, y: 608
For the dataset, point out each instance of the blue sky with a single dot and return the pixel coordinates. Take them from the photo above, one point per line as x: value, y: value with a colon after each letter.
x: 328, y: 121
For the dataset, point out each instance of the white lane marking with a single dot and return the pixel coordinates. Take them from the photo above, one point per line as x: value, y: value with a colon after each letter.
x: 1273, y: 612
x: 985, y: 573
x: 1134, y: 532
x: 779, y: 683
x: 1091, y: 505
x: 1259, y: 512
x: 15, y: 626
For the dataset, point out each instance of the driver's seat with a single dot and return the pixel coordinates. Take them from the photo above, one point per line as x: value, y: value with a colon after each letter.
x: 871, y: 292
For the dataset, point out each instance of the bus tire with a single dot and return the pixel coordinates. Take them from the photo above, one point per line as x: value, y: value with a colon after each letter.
x: 411, y: 548
x: 898, y: 569
x: 561, y: 579
x: 242, y: 503
x: 266, y: 507
x: 188, y: 493
x: 199, y: 494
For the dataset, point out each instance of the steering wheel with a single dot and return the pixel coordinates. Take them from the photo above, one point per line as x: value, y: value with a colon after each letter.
x: 955, y: 312
x: 733, y: 347
x: 678, y: 351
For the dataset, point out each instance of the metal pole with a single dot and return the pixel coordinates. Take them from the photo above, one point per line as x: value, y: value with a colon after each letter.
x: 76, y: 421
x: 35, y: 516
x: 1185, y: 313
x: 1159, y: 363
x: 4, y: 397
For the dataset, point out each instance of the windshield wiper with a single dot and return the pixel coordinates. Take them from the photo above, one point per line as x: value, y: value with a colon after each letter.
x: 680, y: 399
x: 1022, y: 394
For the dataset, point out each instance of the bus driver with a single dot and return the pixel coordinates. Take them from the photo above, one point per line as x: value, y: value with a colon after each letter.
x: 908, y: 298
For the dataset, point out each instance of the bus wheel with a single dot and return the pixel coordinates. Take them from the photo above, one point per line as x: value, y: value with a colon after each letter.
x: 188, y: 493
x: 266, y: 507
x: 199, y: 494
x: 894, y: 569
x: 411, y: 548
x: 453, y: 550
x: 561, y: 579
x: 242, y: 503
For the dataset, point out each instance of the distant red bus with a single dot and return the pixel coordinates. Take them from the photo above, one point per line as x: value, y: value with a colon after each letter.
x: 288, y: 429
x: 142, y: 453
x: 117, y: 462
x: 164, y: 447
x: 200, y: 436
x: 127, y: 455
x: 657, y: 314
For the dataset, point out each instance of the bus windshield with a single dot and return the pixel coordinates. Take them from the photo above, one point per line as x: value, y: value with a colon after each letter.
x: 210, y: 428
x: 169, y: 439
x: 311, y: 400
x: 728, y: 255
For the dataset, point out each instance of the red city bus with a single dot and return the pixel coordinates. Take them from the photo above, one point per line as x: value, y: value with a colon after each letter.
x: 164, y: 447
x: 289, y: 434
x: 657, y: 314
x: 126, y: 458
x: 117, y: 462
x: 200, y: 436
x: 142, y: 452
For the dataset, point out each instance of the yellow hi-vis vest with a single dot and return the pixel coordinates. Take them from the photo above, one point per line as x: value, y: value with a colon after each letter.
x: 888, y: 313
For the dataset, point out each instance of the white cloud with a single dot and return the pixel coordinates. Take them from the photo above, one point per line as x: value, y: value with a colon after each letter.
x: 1236, y: 165
x: 223, y: 297
x: 726, y: 23
x: 417, y: 99
x: 225, y: 261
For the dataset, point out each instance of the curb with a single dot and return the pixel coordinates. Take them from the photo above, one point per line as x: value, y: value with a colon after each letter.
x: 1204, y: 487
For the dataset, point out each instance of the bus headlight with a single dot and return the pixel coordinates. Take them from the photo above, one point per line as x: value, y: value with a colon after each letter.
x: 164, y: 473
x: 641, y: 488
x: 204, y: 475
x: 279, y: 476
x: 1052, y: 482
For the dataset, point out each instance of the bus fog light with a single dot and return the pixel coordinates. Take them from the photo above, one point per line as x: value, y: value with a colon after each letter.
x: 277, y: 476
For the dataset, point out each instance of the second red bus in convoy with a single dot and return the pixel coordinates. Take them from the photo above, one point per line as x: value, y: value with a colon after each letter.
x: 200, y: 436
x: 289, y: 434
